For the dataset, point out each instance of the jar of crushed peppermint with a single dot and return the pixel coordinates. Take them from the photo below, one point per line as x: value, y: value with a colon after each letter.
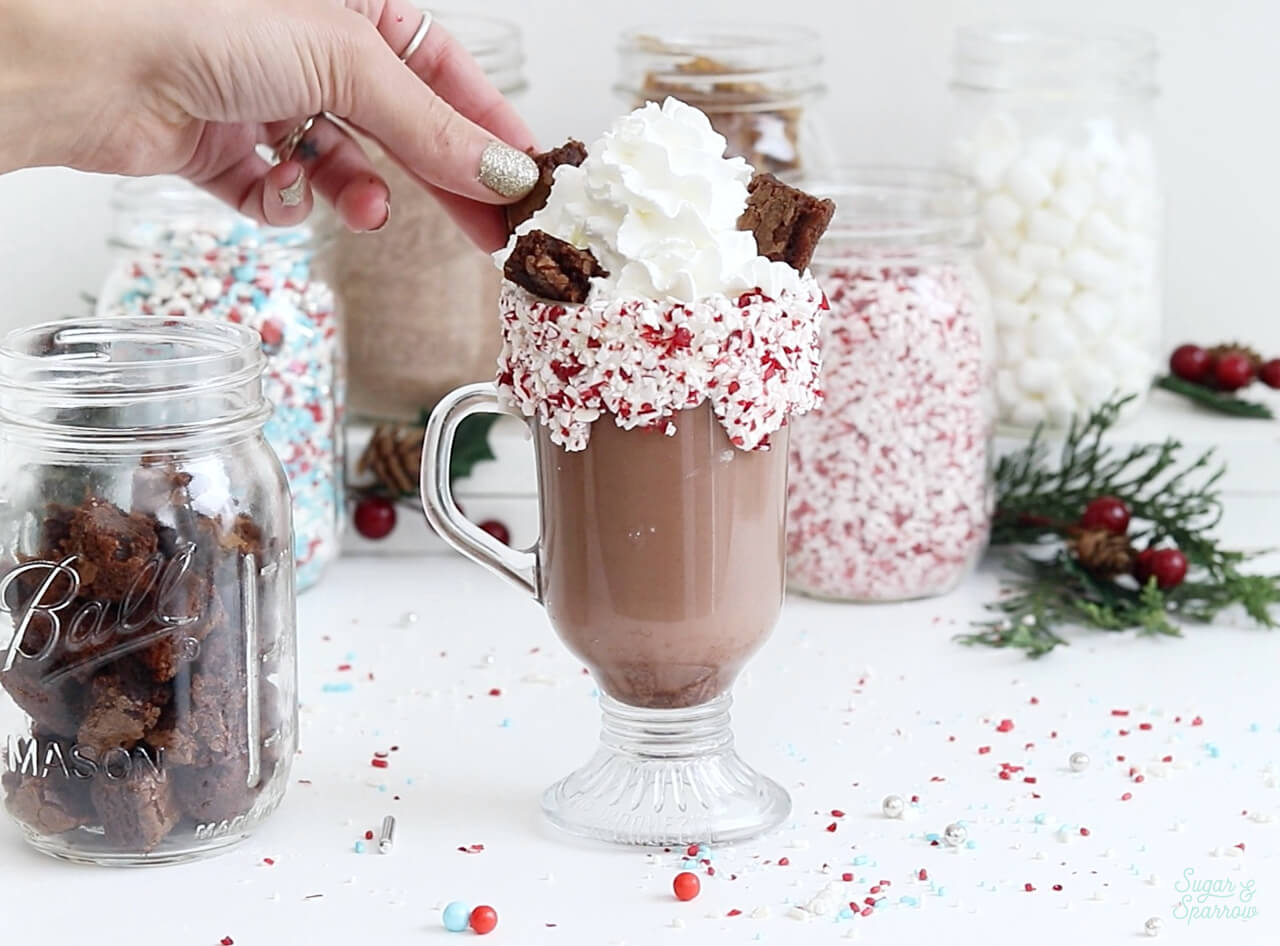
x: 148, y: 694
x: 890, y: 494
x: 178, y: 252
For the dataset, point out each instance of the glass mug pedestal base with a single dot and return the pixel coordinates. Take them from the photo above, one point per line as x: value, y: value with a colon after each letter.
x: 666, y: 777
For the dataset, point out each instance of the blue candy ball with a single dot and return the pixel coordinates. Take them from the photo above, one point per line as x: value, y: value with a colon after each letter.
x: 456, y: 916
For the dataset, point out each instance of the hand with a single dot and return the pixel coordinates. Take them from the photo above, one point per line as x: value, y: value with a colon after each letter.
x: 151, y: 87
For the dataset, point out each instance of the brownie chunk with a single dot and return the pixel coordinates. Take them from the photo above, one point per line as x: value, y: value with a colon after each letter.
x: 52, y: 805
x: 552, y: 268
x: 121, y: 708
x: 112, y: 548
x: 136, y: 812
x: 571, y: 152
x: 218, y: 792
x: 58, y: 707
x: 787, y: 222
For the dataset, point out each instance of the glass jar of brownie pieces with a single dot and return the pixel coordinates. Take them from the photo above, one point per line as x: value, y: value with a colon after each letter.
x: 147, y: 640
x: 759, y: 84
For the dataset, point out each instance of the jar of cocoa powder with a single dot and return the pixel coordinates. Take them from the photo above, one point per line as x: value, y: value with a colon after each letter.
x: 420, y: 299
x: 760, y: 86
x: 890, y: 495
x: 147, y: 644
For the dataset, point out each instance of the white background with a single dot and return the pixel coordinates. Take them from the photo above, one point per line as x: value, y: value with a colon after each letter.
x: 888, y: 67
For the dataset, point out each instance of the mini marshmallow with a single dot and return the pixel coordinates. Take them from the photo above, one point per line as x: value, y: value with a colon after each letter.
x: 1047, y: 154
x: 1078, y: 167
x: 1007, y: 389
x: 1039, y: 258
x: 1027, y: 413
x: 1100, y: 230
x: 1054, y: 287
x: 1051, y: 335
x: 1011, y: 347
x: 1001, y: 214
x: 1027, y: 183
x: 1072, y: 200
x: 1090, y: 269
x: 1060, y: 404
x: 989, y: 168
x: 1090, y: 380
x: 1010, y: 314
x: 1051, y: 228
x: 1007, y: 278
x: 1037, y: 375
x: 1093, y: 313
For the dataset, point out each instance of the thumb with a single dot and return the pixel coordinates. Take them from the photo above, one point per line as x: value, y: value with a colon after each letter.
x: 427, y: 136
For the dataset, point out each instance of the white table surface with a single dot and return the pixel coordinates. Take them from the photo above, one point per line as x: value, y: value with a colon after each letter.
x: 844, y: 705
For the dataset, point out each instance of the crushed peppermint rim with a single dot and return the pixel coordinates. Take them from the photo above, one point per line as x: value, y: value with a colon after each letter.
x: 756, y: 359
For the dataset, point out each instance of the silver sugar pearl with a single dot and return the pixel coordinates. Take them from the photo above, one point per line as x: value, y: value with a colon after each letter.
x: 409, y: 618
x: 893, y: 806
x: 1153, y: 926
x: 955, y: 834
x: 1079, y: 761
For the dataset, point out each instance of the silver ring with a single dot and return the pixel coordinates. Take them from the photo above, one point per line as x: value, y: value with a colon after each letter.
x: 289, y: 144
x: 418, y: 37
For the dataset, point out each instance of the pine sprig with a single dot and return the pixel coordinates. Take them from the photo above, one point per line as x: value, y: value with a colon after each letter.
x: 1215, y: 400
x: 1173, y: 501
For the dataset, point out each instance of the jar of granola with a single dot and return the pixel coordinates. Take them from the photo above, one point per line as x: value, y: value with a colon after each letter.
x: 147, y: 643
x: 890, y: 495
x: 179, y: 252
x: 760, y: 86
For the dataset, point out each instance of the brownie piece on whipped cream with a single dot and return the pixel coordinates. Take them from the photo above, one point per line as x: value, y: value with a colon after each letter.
x: 571, y: 152
x: 787, y: 222
x: 552, y: 268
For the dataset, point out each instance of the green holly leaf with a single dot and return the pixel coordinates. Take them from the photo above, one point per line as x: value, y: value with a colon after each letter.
x: 471, y: 445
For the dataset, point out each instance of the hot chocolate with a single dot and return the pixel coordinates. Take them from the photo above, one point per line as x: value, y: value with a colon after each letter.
x: 662, y: 556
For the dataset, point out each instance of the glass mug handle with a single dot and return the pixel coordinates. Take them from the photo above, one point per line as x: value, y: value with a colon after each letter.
x: 518, y: 566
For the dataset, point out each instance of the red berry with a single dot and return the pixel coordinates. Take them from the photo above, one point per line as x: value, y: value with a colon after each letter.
x: 686, y: 885
x: 483, y: 920
x: 1190, y: 362
x: 497, y: 530
x: 1233, y: 371
x: 375, y: 517
x: 1106, y: 512
x: 1168, y: 567
x: 1269, y: 373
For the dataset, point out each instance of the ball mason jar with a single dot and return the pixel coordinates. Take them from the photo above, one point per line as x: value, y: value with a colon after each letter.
x: 147, y: 644
x: 759, y: 84
x: 890, y: 492
x: 179, y: 252
x: 1056, y: 127
x: 420, y: 300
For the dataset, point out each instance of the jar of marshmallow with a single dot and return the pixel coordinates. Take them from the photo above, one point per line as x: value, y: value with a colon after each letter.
x: 1055, y: 127
x: 889, y: 492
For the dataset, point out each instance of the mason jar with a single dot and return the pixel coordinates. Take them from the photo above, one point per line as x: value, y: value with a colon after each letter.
x: 760, y: 86
x: 1057, y: 126
x: 890, y: 491
x: 419, y: 288
x: 181, y: 253
x: 147, y: 646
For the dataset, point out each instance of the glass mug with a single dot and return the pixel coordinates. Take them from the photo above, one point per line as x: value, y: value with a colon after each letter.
x: 661, y: 564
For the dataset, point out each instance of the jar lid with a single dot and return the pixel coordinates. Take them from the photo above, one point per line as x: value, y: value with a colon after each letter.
x: 893, y: 212
x: 1055, y: 57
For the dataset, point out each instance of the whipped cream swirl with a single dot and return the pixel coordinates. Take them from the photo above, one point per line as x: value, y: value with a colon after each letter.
x: 657, y: 203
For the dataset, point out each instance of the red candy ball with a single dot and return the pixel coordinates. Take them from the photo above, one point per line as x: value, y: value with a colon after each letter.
x: 686, y: 885
x: 497, y: 530
x: 1189, y: 362
x: 1232, y: 372
x: 375, y: 517
x: 1269, y: 373
x: 484, y: 919
x: 1106, y: 512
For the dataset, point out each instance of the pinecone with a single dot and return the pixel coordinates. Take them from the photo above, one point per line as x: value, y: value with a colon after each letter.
x: 1235, y: 348
x: 1103, y: 552
x: 393, y: 456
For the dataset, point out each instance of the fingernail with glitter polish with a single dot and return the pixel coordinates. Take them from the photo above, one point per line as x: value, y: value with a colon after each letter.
x: 292, y: 195
x: 506, y: 171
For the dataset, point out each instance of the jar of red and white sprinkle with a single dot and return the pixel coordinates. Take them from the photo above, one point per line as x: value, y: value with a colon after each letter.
x: 890, y: 493
x: 180, y: 253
